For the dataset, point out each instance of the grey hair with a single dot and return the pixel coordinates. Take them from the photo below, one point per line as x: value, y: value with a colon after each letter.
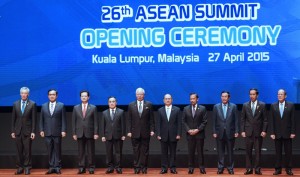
x: 26, y: 89
x: 140, y: 90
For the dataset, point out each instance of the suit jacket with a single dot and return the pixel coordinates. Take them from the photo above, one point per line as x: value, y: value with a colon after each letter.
x: 230, y: 123
x: 168, y: 129
x: 254, y: 125
x: 140, y: 127
x: 88, y: 126
x: 25, y: 122
x: 55, y: 124
x: 198, y: 122
x: 285, y: 126
x: 116, y: 128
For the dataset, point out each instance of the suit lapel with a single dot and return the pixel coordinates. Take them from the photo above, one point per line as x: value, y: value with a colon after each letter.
x: 220, y: 110
x: 165, y: 114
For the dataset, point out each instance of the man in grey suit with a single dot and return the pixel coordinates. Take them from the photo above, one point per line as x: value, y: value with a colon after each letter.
x: 225, y: 130
x: 140, y: 128
x: 23, y: 130
x: 283, y: 130
x: 254, y: 124
x: 194, y: 122
x: 53, y: 127
x: 113, y: 134
x: 168, y: 130
x: 85, y: 130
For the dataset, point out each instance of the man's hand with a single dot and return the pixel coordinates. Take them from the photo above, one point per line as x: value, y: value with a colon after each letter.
x: 263, y: 134
x: 129, y: 135
x: 75, y: 137
x: 32, y: 136
x: 96, y: 137
x: 151, y: 133
x: 215, y: 135
x: 292, y: 136
x: 63, y: 134
x: 42, y: 133
x: 13, y: 135
x: 236, y: 135
x: 123, y: 138
x: 243, y: 134
x: 178, y: 137
x: 103, y: 139
x: 273, y: 137
x: 158, y: 137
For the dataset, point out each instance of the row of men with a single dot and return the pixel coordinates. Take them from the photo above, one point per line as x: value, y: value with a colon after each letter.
x: 167, y: 127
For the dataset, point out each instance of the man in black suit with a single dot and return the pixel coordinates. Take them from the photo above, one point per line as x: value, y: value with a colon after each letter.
x: 194, y: 122
x: 113, y: 134
x: 53, y: 127
x: 283, y: 129
x: 140, y: 128
x: 168, y: 130
x: 225, y: 130
x: 23, y: 130
x: 85, y: 130
x: 254, y: 124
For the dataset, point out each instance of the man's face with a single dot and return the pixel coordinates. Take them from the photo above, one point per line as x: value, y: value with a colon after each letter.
x: 168, y: 100
x: 193, y: 99
x: 140, y: 96
x: 225, y: 98
x: 84, y: 97
x: 52, y: 96
x: 112, y: 103
x: 253, y: 95
x: 281, y: 96
x: 24, y: 95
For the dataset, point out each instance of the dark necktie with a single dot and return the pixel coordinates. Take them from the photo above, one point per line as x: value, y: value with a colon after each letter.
x: 112, y: 115
x: 193, y: 110
x: 224, y: 110
x: 23, y: 107
x: 140, y: 109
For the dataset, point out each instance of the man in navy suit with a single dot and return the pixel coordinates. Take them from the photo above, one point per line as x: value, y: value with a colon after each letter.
x: 113, y: 134
x: 254, y: 122
x: 194, y: 122
x: 283, y: 130
x: 53, y: 127
x: 225, y: 130
x: 23, y: 130
x: 140, y: 129
x: 168, y: 130
x: 85, y: 130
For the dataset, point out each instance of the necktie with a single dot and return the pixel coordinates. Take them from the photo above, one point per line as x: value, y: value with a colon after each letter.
x: 140, y: 108
x: 84, y: 110
x: 253, y: 108
x: 51, y: 109
x: 281, y: 109
x: 193, y: 111
x: 224, y: 110
x: 168, y: 113
x: 23, y: 107
x: 112, y: 114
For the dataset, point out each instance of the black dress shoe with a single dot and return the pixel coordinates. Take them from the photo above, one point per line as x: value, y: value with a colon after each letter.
x: 248, y: 172
x: 91, y: 172
x: 191, y: 171
x: 50, y: 171
x: 19, y: 171
x: 119, y: 170
x: 277, y: 172
x: 109, y: 171
x: 202, y: 171
x: 220, y: 171
x: 258, y: 172
x: 81, y: 171
x: 173, y: 171
x: 289, y: 172
x: 27, y: 171
x: 144, y: 170
x: 57, y: 171
x: 163, y: 171
x: 137, y: 171
x: 231, y: 172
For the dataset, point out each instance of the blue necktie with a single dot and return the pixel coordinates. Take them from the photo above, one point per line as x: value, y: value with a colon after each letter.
x: 168, y: 113
x: 224, y: 110
x: 253, y: 108
x: 23, y: 107
x: 281, y: 109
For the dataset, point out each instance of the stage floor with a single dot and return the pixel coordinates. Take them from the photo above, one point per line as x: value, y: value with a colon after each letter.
x: 152, y: 172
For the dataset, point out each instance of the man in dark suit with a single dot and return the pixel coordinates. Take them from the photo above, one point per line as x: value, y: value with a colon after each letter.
x: 283, y: 129
x: 194, y: 122
x: 254, y: 124
x: 140, y: 128
x: 85, y: 130
x: 168, y: 131
x: 23, y: 130
x: 225, y: 130
x: 53, y: 127
x: 113, y: 134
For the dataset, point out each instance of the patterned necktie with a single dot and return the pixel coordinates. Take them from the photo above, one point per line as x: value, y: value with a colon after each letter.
x: 23, y: 107
x: 253, y: 108
x: 168, y: 113
x: 51, y: 109
x: 224, y: 110
x: 281, y: 109
x: 112, y: 114
x: 193, y: 110
x: 140, y: 109
x: 84, y: 110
